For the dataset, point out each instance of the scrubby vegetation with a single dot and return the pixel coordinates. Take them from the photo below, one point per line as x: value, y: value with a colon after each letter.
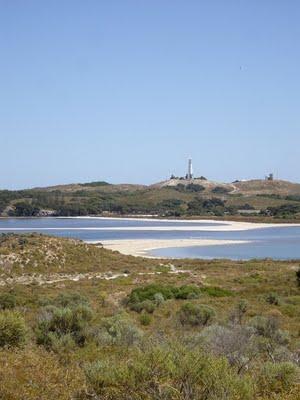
x: 12, y: 329
x: 183, y: 199
x: 149, y: 297
x: 195, y: 315
x: 219, y: 330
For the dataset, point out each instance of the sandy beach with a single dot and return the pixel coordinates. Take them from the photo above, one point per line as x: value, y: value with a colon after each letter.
x: 143, y: 246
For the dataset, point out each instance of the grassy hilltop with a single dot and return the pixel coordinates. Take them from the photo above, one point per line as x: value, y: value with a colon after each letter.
x: 81, y: 322
x: 254, y: 199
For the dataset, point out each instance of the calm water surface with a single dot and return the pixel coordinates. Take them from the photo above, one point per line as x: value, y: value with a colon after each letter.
x: 278, y: 243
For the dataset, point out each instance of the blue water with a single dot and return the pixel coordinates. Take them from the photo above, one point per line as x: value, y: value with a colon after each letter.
x: 276, y: 249
x: 278, y: 243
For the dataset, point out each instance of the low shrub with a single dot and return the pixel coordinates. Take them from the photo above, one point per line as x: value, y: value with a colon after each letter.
x: 159, y: 293
x: 216, y: 291
x: 149, y: 297
x: 235, y: 342
x: 61, y: 344
x: 186, y: 292
x: 64, y: 300
x: 166, y: 291
x: 71, y: 299
x: 7, y: 301
x: 12, y: 329
x: 194, y: 314
x: 148, y: 293
x: 268, y: 327
x: 159, y: 299
x: 273, y: 298
x: 63, y: 321
x: 35, y: 374
x: 145, y: 319
x: 166, y: 372
x: 117, y: 330
x: 239, y: 311
x: 148, y: 306
x: 277, y: 377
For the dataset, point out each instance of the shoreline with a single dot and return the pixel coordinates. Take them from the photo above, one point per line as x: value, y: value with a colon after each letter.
x: 209, y: 226
x: 193, y: 220
x: 142, y: 247
x: 201, y: 220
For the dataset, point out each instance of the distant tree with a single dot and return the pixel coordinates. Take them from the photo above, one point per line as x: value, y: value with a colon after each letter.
x: 95, y: 184
x: 191, y: 187
x: 247, y: 206
x: 285, y: 210
x: 220, y: 190
x: 24, y: 209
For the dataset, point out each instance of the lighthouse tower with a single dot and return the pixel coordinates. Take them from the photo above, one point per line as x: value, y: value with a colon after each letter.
x: 189, y: 174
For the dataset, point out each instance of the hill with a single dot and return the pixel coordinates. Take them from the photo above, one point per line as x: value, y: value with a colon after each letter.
x: 91, y: 186
x: 174, y: 197
x: 39, y: 255
x: 279, y: 187
x: 202, y: 183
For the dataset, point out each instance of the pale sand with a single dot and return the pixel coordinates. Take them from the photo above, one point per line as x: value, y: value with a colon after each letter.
x: 141, y: 247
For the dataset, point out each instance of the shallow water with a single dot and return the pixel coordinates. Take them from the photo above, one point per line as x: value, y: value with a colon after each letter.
x: 274, y: 242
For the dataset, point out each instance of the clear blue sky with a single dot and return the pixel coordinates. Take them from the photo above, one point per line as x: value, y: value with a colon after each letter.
x: 126, y: 91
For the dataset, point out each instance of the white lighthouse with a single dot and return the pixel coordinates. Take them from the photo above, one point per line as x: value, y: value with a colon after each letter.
x: 189, y: 174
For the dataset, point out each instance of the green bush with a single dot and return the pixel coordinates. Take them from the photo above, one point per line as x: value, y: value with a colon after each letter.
x: 277, y: 377
x: 148, y: 293
x: 7, y: 301
x: 117, y: 330
x: 158, y: 293
x: 137, y: 307
x: 62, y: 345
x: 145, y: 319
x: 169, y: 372
x: 194, y: 314
x: 64, y: 300
x: 273, y: 298
x: 63, y: 321
x: 159, y: 299
x: 268, y: 327
x: 165, y: 292
x: 187, y: 292
x: 12, y: 329
x: 148, y: 306
x: 70, y: 300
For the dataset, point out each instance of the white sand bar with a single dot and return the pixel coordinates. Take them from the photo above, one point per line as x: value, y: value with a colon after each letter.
x: 141, y: 247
